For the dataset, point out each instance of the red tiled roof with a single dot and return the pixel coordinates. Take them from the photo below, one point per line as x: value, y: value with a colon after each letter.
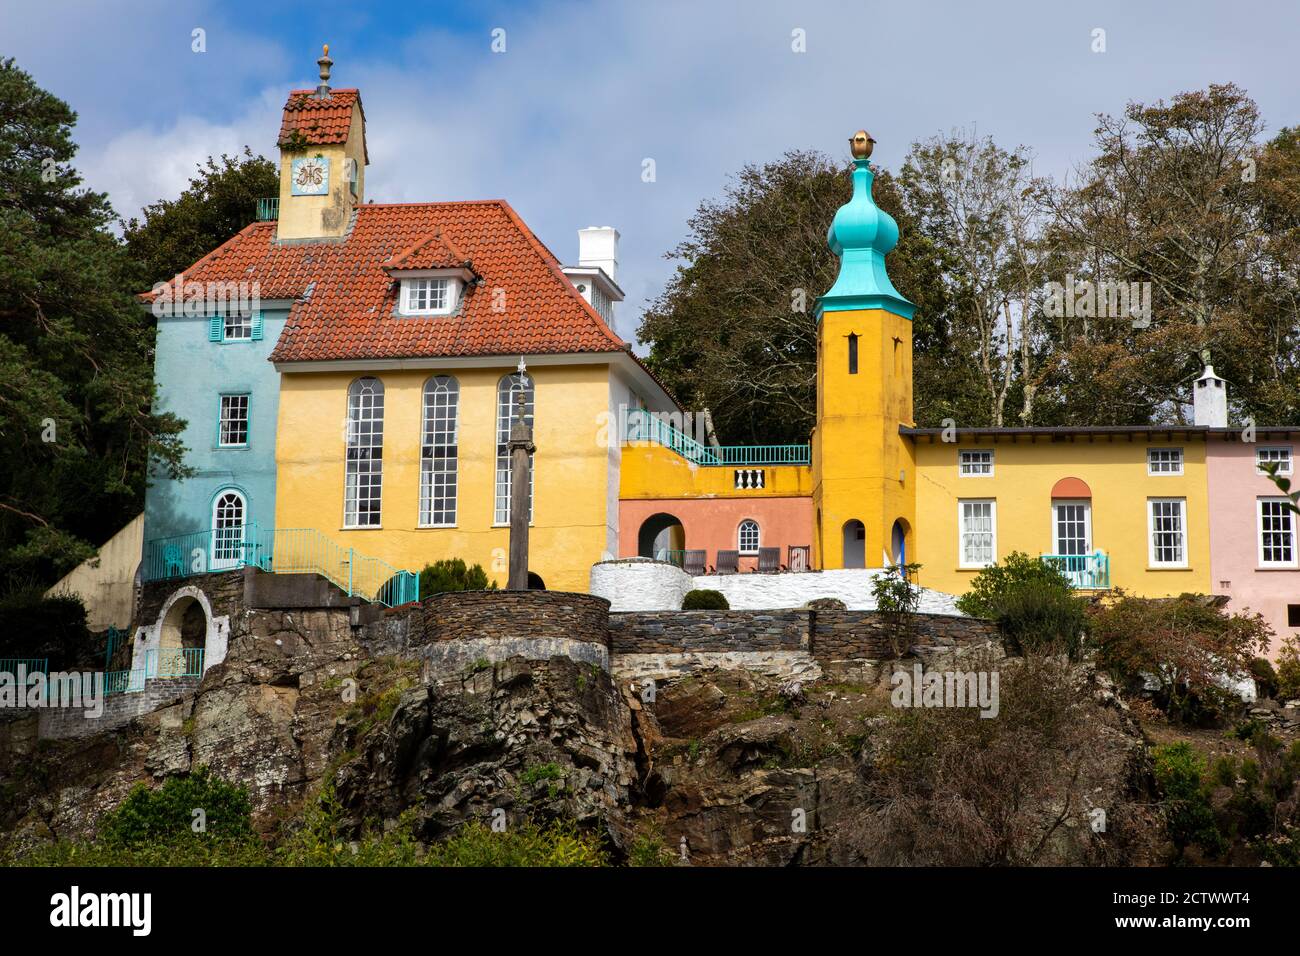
x: 347, y: 301
x: 434, y: 251
x: 321, y: 122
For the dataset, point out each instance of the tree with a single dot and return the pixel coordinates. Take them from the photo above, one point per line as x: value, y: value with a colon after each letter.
x: 76, y: 430
x: 1170, y: 199
x: 983, y: 205
x: 734, y: 330
x: 176, y: 233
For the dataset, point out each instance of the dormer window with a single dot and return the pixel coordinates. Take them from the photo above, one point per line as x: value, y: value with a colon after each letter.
x: 428, y: 296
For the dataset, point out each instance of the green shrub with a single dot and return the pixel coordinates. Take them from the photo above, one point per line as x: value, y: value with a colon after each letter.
x: 166, y: 814
x: 33, y: 625
x: 452, y: 574
x: 527, y: 844
x: 704, y: 599
x: 1265, y: 676
x: 1288, y: 669
x: 1186, y: 644
x: 648, y: 848
x: 1033, y: 603
x: 896, y: 599
x: 1180, y: 772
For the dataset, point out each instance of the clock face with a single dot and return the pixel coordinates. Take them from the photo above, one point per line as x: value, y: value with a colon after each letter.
x: 311, y: 176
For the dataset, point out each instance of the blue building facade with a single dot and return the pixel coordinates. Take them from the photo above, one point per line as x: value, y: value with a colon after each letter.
x: 214, y: 372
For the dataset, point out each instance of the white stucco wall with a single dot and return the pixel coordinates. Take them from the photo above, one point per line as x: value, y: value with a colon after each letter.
x: 640, y: 584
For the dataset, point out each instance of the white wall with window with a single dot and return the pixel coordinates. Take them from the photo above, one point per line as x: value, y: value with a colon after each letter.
x: 975, y: 462
x: 1277, y: 544
x: 1164, y: 461
x: 363, y: 482
x: 232, y: 424
x: 1277, y: 455
x: 508, y: 391
x: 747, y: 537
x: 1167, y: 532
x: 977, y: 532
x: 438, y: 452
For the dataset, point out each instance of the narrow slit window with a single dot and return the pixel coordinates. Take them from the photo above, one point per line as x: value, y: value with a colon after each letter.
x: 853, y: 354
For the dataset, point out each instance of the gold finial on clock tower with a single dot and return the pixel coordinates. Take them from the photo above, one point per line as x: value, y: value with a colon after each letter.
x: 861, y: 144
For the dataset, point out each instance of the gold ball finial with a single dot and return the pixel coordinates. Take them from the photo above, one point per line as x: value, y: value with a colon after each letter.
x: 861, y: 143
x: 326, y: 48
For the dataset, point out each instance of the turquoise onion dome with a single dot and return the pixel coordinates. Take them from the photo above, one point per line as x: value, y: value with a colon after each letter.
x: 861, y: 235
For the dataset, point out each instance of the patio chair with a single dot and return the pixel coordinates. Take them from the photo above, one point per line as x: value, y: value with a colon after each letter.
x: 799, y: 557
x: 693, y: 562
x: 728, y: 562
x: 769, y: 560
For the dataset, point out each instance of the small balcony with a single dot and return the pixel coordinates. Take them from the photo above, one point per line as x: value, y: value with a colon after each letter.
x: 1086, y: 572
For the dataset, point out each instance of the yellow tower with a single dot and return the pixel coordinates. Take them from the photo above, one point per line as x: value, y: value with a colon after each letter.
x: 322, y: 160
x: 864, y: 474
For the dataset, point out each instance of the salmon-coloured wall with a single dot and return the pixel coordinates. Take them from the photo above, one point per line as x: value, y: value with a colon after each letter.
x: 1234, y: 490
x: 712, y: 523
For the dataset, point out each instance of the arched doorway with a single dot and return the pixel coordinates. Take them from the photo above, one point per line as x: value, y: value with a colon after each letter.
x: 898, y: 543
x: 182, y: 640
x: 855, y: 544
x: 229, y: 512
x: 659, y: 534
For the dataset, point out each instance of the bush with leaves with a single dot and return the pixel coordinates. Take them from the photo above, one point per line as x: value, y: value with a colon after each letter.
x: 1189, y: 817
x: 1288, y: 669
x: 897, y: 599
x: 1033, y: 602
x: 1187, y: 646
x: 452, y: 574
x: 170, y: 812
x: 704, y: 599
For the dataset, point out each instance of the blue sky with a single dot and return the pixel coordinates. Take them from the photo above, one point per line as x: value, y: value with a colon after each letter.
x: 560, y: 123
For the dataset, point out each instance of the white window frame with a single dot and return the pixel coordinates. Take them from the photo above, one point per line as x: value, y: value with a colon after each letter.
x: 965, y: 468
x: 426, y: 287
x: 740, y: 537
x: 1087, y: 524
x: 507, y: 388
x: 1151, y: 532
x: 369, y: 465
x: 237, y: 327
x: 962, y: 532
x: 439, y: 472
x: 1285, y: 456
x: 228, y: 550
x: 1291, y: 531
x: 223, y: 421
x: 1161, y: 472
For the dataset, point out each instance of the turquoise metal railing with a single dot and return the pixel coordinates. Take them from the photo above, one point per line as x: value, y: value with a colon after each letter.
x: 268, y: 209
x: 30, y: 665
x: 281, y: 551
x: 1084, y: 571
x: 647, y: 427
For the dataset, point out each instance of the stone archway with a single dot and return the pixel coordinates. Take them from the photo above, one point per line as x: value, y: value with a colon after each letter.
x: 660, y: 533
x: 898, y: 550
x: 186, y: 637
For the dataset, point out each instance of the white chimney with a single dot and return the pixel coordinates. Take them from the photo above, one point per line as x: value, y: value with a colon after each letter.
x: 593, y: 276
x: 598, y: 248
x: 1210, y: 400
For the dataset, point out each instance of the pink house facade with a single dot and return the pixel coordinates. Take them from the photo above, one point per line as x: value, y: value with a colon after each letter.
x: 651, y: 526
x: 1254, y: 551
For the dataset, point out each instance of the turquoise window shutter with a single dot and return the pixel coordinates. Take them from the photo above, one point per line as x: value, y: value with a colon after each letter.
x: 257, y: 326
x: 214, y: 329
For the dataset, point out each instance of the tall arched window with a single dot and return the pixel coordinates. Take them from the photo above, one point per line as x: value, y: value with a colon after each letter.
x: 508, y: 391
x: 438, y: 452
x: 228, y: 514
x: 747, y: 537
x: 363, y: 484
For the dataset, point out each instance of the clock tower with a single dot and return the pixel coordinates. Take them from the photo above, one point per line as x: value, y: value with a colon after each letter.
x: 322, y: 160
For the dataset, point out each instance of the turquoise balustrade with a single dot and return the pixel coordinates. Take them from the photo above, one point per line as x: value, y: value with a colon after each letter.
x: 646, y: 427
x: 1089, y: 572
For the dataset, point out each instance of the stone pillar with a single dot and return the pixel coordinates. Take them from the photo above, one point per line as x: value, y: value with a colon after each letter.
x: 521, y: 449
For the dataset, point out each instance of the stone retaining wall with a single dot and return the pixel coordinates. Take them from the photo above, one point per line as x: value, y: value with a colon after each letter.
x: 119, y: 710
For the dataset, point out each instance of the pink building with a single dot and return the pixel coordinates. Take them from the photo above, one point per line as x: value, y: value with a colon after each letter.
x: 1254, y: 558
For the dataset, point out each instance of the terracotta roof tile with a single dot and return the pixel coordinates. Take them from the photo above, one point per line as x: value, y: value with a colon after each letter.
x: 318, y: 121
x: 350, y: 311
x: 434, y: 251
